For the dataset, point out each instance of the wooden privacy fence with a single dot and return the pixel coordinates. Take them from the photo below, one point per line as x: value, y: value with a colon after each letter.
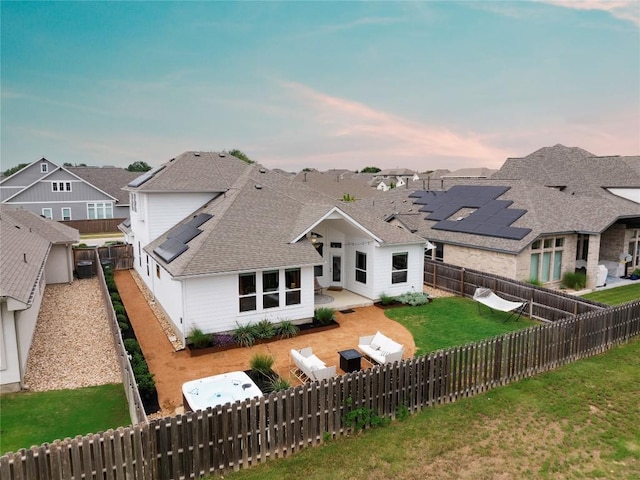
x: 99, y: 225
x: 247, y: 433
x: 120, y: 257
x: 542, y: 303
x: 136, y: 407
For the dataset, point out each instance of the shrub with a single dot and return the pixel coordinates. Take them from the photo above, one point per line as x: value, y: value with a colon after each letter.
x: 146, y: 385
x: 111, y: 285
x: 198, y: 338
x: 278, y: 384
x: 115, y: 297
x: 262, y: 362
x: 574, y: 280
x: 122, y: 318
x: 119, y: 309
x: 132, y: 346
x: 386, y: 299
x: 413, y: 298
x: 264, y: 329
x: 244, y: 335
x: 222, y: 340
x: 286, y: 329
x: 534, y: 282
x: 124, y: 326
x: 324, y: 315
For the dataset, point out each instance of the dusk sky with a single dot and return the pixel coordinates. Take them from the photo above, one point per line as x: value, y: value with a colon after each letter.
x: 420, y: 85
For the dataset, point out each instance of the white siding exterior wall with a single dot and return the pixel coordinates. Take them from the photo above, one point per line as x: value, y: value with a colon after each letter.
x: 383, y: 267
x: 366, y: 246
x: 17, y: 333
x: 167, y: 209
x: 211, y: 303
x: 168, y: 293
x: 59, y: 267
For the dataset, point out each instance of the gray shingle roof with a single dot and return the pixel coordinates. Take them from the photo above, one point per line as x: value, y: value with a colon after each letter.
x: 335, y: 185
x: 196, y: 172
x: 25, y: 240
x: 549, y: 211
x: 54, y: 232
x: 110, y: 180
x: 253, y: 228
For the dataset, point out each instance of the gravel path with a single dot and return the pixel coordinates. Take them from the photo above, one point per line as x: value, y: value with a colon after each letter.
x: 72, y: 345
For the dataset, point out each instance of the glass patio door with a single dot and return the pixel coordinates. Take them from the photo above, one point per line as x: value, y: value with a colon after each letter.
x: 336, y: 270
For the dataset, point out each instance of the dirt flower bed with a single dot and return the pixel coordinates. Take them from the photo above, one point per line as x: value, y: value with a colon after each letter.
x: 72, y: 344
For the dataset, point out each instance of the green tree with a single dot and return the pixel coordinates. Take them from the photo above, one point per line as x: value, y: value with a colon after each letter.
x: 241, y: 155
x: 139, y: 166
x: 370, y: 170
x: 347, y: 197
x: 10, y: 171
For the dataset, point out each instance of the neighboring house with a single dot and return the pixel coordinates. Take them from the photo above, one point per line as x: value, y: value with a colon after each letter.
x: 336, y: 184
x: 62, y: 193
x: 34, y: 252
x: 110, y: 180
x: 558, y: 210
x: 479, y: 172
x: 222, y: 243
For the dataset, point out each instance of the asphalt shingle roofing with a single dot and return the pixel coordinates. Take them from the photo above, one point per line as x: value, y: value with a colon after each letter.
x: 256, y: 220
x: 110, y: 180
x: 196, y: 172
x: 25, y: 240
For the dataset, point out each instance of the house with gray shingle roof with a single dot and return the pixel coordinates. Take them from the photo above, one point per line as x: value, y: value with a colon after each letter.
x: 336, y: 184
x: 68, y: 193
x: 222, y: 243
x: 557, y: 210
x: 34, y: 252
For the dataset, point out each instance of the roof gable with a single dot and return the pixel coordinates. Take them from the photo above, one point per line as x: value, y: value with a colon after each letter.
x: 29, y: 174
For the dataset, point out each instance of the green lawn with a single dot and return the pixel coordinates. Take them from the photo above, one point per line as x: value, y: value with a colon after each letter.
x: 580, y: 421
x: 451, y: 321
x: 616, y: 296
x: 33, y: 418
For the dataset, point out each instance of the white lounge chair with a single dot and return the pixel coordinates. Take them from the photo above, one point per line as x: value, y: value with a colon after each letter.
x: 310, y: 367
x: 380, y: 348
x: 486, y: 297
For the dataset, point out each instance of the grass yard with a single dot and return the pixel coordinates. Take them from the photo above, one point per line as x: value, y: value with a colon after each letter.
x: 33, y: 418
x: 580, y: 421
x: 616, y: 296
x: 451, y: 321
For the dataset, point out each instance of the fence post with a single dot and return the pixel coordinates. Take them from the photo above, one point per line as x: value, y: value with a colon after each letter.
x: 462, y: 282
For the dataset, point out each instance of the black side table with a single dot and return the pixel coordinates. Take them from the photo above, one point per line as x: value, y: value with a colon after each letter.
x: 350, y: 360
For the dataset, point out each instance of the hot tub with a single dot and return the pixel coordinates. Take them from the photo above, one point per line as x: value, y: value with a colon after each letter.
x: 218, y: 390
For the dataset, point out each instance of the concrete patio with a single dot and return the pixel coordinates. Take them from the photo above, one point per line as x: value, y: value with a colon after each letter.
x: 172, y: 368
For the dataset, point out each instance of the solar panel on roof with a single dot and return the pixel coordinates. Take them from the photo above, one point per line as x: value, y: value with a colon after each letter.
x: 136, y: 182
x: 170, y: 250
x: 184, y: 233
x: 199, y: 219
x: 491, y: 217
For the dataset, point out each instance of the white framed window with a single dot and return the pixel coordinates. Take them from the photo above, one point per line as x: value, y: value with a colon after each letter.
x: 44, y: 167
x: 399, y: 267
x: 60, y: 186
x: 247, y: 292
x: 133, y: 202
x: 99, y: 210
x: 293, y: 288
x: 546, y: 259
x: 271, y: 289
x: 66, y: 213
x: 361, y: 267
x: 47, y: 213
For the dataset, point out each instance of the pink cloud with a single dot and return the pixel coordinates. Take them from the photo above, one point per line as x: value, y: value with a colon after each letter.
x: 392, y: 134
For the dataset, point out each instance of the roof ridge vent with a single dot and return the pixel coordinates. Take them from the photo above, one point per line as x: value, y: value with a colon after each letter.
x: 258, y: 186
x: 196, y: 154
x: 222, y: 154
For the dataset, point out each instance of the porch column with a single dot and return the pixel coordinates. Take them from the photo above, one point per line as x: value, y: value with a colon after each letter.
x: 592, y: 260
